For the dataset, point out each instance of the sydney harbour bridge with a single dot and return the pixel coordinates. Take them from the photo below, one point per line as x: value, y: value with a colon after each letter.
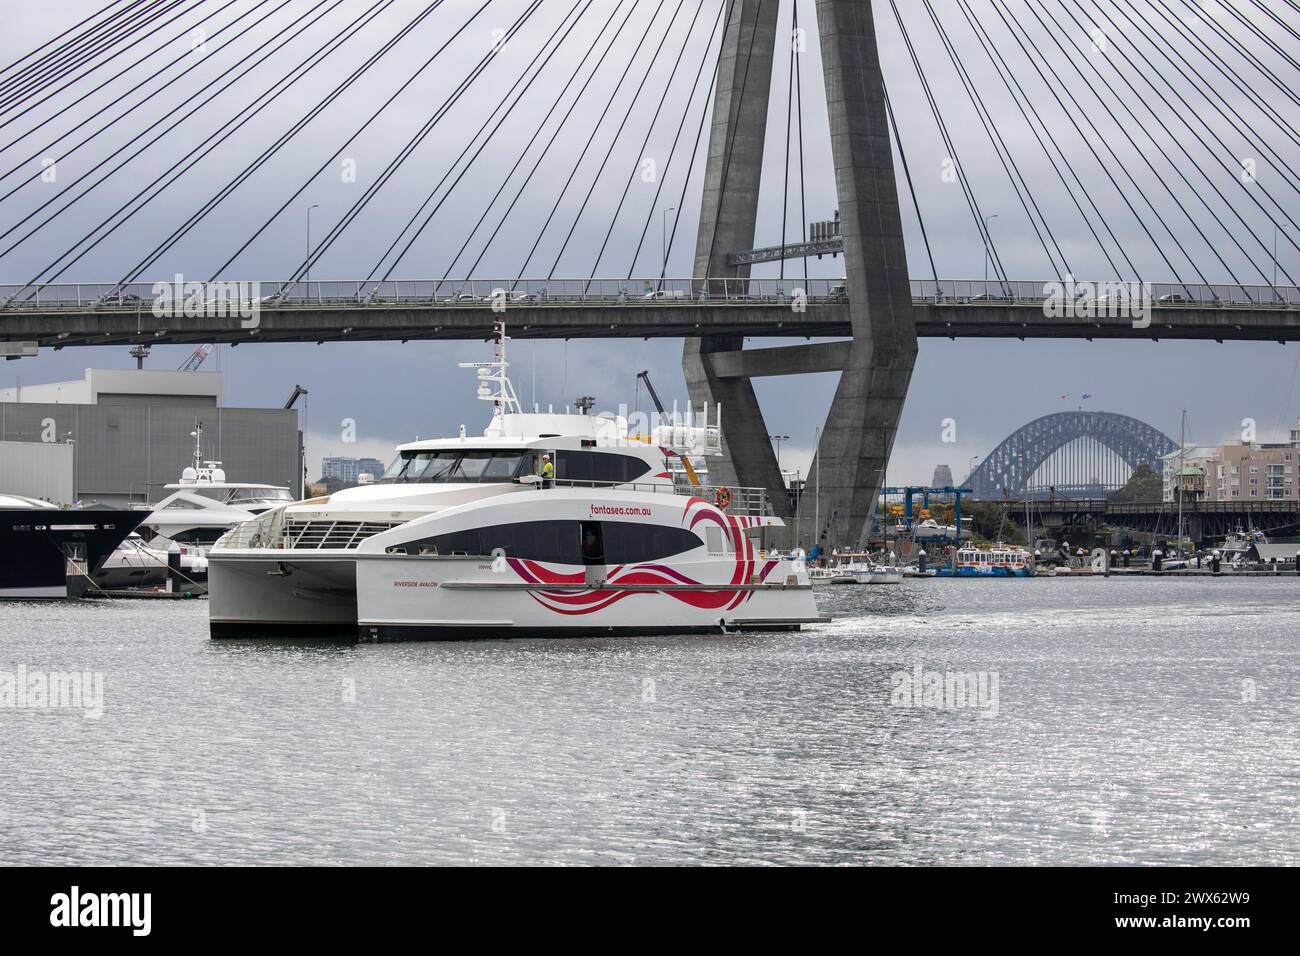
x: 1074, y: 454
x: 1164, y: 132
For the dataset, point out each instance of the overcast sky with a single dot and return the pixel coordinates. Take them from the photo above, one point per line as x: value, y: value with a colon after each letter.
x: 395, y: 392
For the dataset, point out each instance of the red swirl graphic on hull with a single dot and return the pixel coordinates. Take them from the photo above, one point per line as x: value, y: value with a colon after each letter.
x: 709, y: 597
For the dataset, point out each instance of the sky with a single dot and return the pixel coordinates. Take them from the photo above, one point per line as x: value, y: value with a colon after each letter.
x: 1184, y: 181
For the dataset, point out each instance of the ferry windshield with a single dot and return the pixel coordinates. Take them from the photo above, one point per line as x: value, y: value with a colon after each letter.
x: 456, y: 465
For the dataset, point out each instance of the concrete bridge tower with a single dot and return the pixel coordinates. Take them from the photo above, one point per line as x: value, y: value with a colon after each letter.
x: 876, y: 366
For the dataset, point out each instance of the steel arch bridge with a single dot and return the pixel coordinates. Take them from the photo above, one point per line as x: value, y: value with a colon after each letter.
x: 1100, y: 449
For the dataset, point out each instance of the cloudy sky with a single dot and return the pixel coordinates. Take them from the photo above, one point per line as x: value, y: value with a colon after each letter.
x: 1163, y: 187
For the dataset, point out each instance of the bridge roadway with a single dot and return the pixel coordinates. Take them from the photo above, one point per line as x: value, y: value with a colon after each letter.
x: 1202, y: 519
x: 330, y: 310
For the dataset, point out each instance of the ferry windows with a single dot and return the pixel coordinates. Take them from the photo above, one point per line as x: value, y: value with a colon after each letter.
x: 456, y: 465
x: 713, y: 537
x: 566, y: 542
x: 627, y: 543
x: 598, y: 466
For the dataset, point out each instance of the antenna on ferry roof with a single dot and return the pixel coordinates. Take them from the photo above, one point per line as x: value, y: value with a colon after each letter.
x: 494, y: 379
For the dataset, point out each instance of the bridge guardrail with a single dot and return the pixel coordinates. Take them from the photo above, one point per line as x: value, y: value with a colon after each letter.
x: 465, y: 293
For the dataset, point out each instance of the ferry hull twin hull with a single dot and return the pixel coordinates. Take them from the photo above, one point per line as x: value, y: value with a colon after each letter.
x: 420, y: 599
x: 430, y: 599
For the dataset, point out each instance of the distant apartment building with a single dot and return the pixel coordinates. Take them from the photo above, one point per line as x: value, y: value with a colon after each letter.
x: 1242, y: 471
x: 350, y: 470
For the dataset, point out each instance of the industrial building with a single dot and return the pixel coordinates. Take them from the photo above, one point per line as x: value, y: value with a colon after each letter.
x: 118, y: 436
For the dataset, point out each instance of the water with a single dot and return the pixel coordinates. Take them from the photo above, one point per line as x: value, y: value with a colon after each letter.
x: 1127, y: 730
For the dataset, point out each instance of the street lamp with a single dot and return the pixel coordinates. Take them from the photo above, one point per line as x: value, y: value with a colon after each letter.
x: 778, y: 439
x: 309, y: 209
x: 970, y: 468
x: 1276, y: 230
x: 987, y: 250
x: 663, y: 241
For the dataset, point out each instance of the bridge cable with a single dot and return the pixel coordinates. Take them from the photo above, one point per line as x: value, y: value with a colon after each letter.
x: 1226, y: 69
x: 1001, y: 149
x: 413, y: 143
x: 789, y: 123
x: 705, y: 58
x: 74, y: 48
x: 28, y: 108
x: 18, y: 94
x: 1241, y: 126
x: 803, y: 198
x: 320, y: 106
x: 587, y: 145
x: 1011, y: 24
x: 113, y: 121
x: 1027, y: 109
x: 589, y: 52
x: 365, y: 125
x: 655, y: 118
x: 1157, y: 174
x: 1261, y: 34
x: 1194, y: 77
x: 526, y: 82
x: 907, y: 174
x: 1276, y: 19
x: 193, y: 109
x: 695, y: 148
x: 729, y: 146
x: 252, y: 109
x: 72, y: 29
x: 604, y: 163
x: 1213, y: 185
x: 117, y: 97
x: 972, y: 203
x: 1243, y: 51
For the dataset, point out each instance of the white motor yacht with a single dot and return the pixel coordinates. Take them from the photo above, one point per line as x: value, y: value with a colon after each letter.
x: 203, y: 505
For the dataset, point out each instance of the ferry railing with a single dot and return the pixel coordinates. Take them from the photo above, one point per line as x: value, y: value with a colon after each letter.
x: 747, y: 502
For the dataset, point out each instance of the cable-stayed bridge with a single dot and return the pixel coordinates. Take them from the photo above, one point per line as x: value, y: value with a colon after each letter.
x: 333, y: 310
x: 1148, y: 142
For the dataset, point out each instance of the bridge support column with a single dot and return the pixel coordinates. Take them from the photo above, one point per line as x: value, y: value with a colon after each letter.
x: 868, y: 404
x: 727, y: 218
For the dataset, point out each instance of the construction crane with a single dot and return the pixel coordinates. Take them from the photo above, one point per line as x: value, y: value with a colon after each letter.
x: 293, y: 396
x: 644, y: 375
x: 196, y: 358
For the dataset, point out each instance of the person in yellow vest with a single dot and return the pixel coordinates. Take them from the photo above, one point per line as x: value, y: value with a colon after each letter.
x: 548, y: 472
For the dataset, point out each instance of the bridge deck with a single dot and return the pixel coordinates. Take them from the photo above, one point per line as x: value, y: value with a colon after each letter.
x: 105, y: 314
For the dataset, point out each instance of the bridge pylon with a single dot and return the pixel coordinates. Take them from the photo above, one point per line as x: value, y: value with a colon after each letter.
x: 876, y: 366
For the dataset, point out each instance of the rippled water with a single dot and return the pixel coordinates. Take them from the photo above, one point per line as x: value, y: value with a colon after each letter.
x: 1137, y: 721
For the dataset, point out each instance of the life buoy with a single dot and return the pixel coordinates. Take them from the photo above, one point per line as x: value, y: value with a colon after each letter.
x: 722, y: 498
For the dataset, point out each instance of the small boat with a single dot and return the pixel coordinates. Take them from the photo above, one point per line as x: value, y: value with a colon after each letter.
x: 999, y: 561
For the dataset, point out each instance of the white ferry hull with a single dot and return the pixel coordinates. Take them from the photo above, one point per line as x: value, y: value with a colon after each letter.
x: 260, y: 595
x: 431, y: 599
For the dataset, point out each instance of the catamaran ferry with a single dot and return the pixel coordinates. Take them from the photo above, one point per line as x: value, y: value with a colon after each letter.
x: 547, y: 524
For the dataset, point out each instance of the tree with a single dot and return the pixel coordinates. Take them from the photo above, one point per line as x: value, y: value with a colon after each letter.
x: 1144, y: 485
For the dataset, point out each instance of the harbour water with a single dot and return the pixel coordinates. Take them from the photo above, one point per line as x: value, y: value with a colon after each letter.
x: 1123, y: 721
